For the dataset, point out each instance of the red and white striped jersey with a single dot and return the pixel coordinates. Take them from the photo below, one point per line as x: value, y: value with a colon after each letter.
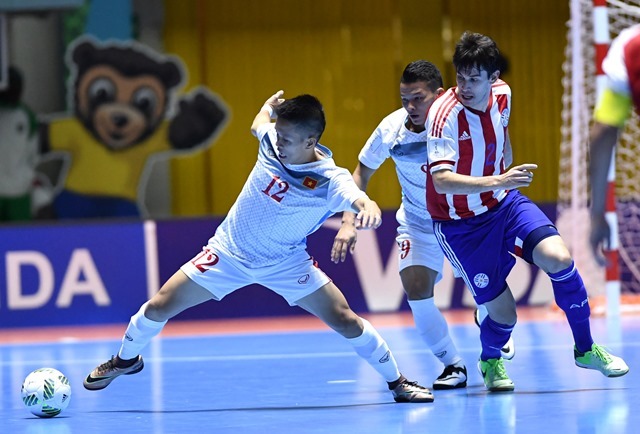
x: 467, y: 142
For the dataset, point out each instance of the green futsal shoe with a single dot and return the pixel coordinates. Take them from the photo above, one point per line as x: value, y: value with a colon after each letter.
x: 600, y: 360
x: 495, y: 375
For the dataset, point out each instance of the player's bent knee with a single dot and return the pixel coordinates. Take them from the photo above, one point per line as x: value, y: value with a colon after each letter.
x: 346, y: 323
x: 156, y: 312
x: 418, y: 282
x: 558, y: 264
x: 419, y: 293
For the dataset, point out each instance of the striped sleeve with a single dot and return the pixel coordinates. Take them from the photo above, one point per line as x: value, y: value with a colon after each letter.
x: 442, y: 148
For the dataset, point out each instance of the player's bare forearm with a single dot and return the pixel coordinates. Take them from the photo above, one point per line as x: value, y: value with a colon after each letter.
x: 345, y: 240
x: 603, y: 140
x: 361, y: 176
x: 347, y: 236
x: 265, y: 113
x: 448, y: 182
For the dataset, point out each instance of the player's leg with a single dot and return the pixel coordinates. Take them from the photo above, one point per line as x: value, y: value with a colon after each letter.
x: 419, y: 260
x: 475, y: 249
x: 176, y: 295
x: 330, y: 306
x: 495, y: 332
x: 553, y: 257
x: 418, y: 283
x: 508, y: 351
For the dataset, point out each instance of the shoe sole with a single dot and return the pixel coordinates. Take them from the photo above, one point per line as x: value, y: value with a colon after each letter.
x: 501, y: 389
x: 99, y: 385
x: 610, y: 375
x: 449, y: 387
x: 405, y: 400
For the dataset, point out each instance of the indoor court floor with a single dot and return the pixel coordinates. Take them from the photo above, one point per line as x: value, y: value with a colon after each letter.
x: 292, y: 375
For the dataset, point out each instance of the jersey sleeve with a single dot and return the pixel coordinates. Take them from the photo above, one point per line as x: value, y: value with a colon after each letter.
x: 615, y: 69
x: 442, y: 150
x: 374, y: 152
x: 613, y: 108
x: 343, y: 191
x: 264, y: 129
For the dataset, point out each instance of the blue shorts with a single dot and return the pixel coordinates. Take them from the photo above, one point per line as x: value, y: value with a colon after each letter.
x: 483, y: 248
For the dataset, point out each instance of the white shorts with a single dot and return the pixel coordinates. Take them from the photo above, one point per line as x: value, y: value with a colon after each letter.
x: 222, y: 274
x: 417, y: 245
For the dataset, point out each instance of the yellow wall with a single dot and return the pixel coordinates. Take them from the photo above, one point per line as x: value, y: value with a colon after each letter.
x: 350, y: 55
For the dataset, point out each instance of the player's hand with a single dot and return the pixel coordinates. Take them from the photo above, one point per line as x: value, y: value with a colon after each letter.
x: 599, y: 238
x: 275, y: 100
x: 518, y: 176
x: 344, y: 241
x: 370, y: 217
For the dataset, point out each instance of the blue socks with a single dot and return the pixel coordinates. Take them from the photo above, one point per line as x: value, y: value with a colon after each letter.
x: 493, y: 337
x: 571, y: 296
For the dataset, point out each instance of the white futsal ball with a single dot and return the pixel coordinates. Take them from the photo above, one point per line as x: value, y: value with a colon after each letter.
x: 46, y: 392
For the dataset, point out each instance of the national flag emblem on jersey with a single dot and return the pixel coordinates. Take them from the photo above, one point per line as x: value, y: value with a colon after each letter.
x: 310, y: 182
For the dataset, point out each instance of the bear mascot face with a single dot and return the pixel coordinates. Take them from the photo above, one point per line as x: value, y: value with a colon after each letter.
x: 121, y: 102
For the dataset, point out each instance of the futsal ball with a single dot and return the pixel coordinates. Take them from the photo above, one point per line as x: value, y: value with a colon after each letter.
x: 46, y: 392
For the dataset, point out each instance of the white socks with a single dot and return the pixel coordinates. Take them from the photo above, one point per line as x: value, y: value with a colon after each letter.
x: 371, y: 347
x: 139, y: 332
x: 434, y: 330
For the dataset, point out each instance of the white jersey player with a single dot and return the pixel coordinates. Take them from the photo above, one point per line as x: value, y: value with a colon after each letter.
x: 293, y: 187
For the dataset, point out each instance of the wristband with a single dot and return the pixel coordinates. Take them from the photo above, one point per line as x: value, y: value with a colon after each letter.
x: 269, y: 109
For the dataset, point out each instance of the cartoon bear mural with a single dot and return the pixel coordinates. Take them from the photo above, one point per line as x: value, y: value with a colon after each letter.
x: 122, y: 95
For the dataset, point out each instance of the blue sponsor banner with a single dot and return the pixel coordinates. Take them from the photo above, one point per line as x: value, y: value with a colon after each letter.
x: 63, y: 274
x: 71, y: 274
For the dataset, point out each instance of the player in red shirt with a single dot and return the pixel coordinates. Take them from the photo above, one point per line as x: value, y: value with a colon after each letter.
x: 482, y: 221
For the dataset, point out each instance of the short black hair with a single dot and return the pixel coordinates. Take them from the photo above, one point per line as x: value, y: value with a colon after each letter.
x: 421, y: 70
x: 475, y: 50
x: 306, y: 112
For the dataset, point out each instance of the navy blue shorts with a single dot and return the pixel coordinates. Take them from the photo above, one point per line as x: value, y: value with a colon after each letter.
x: 482, y: 249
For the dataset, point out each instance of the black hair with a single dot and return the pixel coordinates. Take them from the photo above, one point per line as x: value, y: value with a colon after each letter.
x: 306, y: 112
x: 475, y: 50
x: 421, y: 70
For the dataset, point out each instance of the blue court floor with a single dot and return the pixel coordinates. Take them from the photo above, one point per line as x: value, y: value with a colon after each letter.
x: 312, y: 382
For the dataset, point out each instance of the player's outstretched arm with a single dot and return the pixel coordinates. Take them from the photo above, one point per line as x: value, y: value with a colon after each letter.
x: 446, y: 181
x: 266, y: 111
x: 603, y: 140
x: 345, y: 240
x: 347, y: 236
